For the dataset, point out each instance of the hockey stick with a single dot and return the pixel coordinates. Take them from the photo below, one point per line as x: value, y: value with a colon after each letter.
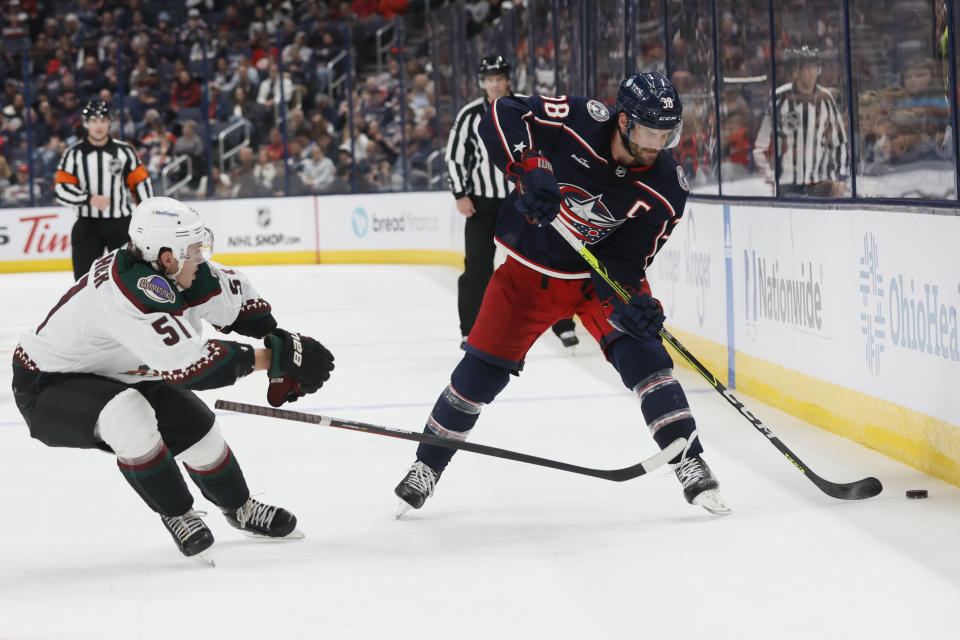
x: 616, y: 475
x: 858, y: 490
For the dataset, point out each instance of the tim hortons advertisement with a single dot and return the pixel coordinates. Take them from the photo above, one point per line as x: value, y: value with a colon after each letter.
x: 41, y: 233
x: 688, y: 274
x: 394, y: 221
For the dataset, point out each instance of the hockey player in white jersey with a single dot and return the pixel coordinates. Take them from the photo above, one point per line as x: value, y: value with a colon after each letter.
x: 115, y: 362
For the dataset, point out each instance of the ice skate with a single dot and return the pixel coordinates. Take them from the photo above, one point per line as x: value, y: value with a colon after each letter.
x: 259, y: 520
x: 700, y: 486
x: 190, y: 533
x: 569, y: 339
x: 416, y: 487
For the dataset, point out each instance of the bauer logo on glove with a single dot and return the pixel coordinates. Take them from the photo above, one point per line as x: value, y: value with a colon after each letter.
x: 298, y: 359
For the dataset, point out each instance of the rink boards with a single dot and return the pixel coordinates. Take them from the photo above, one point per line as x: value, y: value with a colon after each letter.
x: 418, y: 228
x: 846, y: 318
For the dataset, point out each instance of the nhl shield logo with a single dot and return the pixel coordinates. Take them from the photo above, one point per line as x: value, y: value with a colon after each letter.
x: 263, y: 216
x: 598, y: 111
x: 682, y: 179
x: 116, y: 167
x: 621, y: 171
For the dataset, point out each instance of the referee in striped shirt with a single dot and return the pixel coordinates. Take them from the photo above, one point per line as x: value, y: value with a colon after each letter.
x: 480, y: 189
x: 811, y: 137
x: 104, y: 180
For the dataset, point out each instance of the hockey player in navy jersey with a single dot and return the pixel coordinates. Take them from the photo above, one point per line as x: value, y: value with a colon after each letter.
x: 606, y: 175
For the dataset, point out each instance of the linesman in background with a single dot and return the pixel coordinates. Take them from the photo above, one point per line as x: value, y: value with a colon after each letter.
x: 811, y: 138
x: 480, y: 189
x: 104, y: 180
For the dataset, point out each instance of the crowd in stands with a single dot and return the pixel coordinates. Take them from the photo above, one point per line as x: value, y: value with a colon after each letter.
x: 150, y: 61
x: 277, y: 103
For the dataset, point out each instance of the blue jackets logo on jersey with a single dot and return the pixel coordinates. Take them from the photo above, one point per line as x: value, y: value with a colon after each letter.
x: 585, y: 214
x: 598, y: 111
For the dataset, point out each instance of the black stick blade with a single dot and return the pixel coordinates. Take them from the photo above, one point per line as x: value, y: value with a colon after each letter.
x: 859, y: 490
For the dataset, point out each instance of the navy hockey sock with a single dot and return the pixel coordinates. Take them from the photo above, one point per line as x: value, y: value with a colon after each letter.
x: 473, y: 384
x: 158, y: 481
x: 666, y: 411
x: 223, y: 483
x: 646, y: 367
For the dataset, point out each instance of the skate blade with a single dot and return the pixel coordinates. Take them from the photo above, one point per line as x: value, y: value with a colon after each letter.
x: 296, y: 534
x: 204, y: 559
x: 402, y: 509
x: 712, y: 501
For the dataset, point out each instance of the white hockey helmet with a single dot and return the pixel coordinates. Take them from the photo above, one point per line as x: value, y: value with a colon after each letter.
x: 159, y: 223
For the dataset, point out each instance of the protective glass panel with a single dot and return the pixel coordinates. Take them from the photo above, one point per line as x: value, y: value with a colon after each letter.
x: 546, y: 61
x: 609, y: 32
x: 569, y: 46
x: 649, y: 42
x: 692, y: 71
x: 744, y: 30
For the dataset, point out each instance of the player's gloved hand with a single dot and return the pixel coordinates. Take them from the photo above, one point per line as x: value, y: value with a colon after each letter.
x: 301, y: 358
x: 539, y: 198
x: 284, y: 389
x: 641, y: 318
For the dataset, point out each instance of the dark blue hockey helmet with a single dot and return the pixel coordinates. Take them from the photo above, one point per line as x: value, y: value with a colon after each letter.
x: 96, y: 109
x: 650, y: 100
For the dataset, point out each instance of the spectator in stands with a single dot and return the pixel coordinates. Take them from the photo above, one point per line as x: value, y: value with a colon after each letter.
x: 274, y: 146
x: 225, y: 78
x: 218, y: 110
x: 5, y: 173
x: 89, y: 79
x: 269, y: 91
x: 318, y: 170
x: 927, y: 101
x: 243, y: 178
x: 190, y: 144
x: 265, y: 172
x: 222, y: 186
x: 184, y: 93
x: 160, y: 155
x: 18, y: 192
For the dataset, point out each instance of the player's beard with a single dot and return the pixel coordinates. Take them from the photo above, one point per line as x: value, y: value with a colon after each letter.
x: 645, y: 156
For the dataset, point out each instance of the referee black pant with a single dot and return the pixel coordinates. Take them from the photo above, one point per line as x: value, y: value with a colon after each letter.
x: 478, y: 263
x: 91, y: 236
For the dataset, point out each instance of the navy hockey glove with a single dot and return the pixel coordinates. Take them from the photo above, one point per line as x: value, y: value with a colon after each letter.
x: 539, y: 197
x: 299, y: 357
x: 641, y: 318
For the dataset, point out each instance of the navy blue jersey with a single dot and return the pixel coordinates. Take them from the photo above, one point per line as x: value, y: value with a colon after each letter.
x: 626, y: 214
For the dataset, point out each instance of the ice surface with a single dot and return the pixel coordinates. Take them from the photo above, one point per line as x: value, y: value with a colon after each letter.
x: 503, y: 550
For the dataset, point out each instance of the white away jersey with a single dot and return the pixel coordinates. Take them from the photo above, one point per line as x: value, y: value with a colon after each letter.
x: 125, y: 321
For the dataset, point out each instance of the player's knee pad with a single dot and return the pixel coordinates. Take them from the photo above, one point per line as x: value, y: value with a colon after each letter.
x: 478, y: 381
x: 636, y: 360
x: 128, y: 425
x: 208, y: 452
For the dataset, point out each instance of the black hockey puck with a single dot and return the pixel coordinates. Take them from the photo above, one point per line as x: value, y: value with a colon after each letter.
x: 916, y: 494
